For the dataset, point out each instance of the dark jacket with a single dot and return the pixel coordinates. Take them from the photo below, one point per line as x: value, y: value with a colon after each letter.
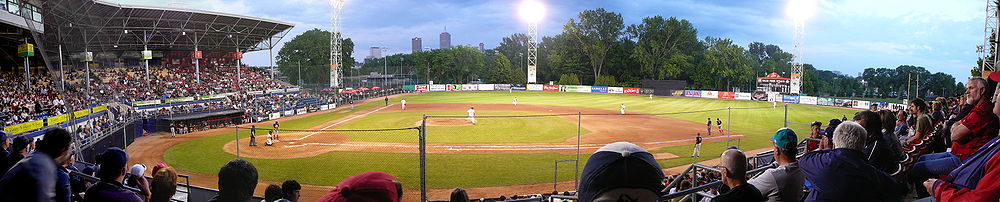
x: 110, y: 191
x: 844, y: 175
x: 883, y: 152
x: 31, y: 179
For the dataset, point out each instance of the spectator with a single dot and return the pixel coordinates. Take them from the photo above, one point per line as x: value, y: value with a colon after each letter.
x: 621, y: 170
x: 367, y: 186
x: 879, y: 149
x: 815, y: 133
x: 20, y: 148
x: 979, y: 126
x: 4, y: 146
x: 888, y: 132
x: 164, y: 184
x: 237, y: 180
x: 923, y: 124
x: 978, y: 178
x: 272, y: 193
x: 291, y: 190
x: 842, y: 174
x: 37, y: 177
x: 112, y: 173
x: 733, y: 167
x: 902, y: 126
x: 785, y: 182
x: 459, y: 195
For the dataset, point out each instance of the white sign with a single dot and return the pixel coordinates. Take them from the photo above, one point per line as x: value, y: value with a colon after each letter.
x: 470, y: 87
x: 743, y: 96
x: 487, y: 87
x: 532, y: 72
x: 710, y: 94
x: 616, y: 90
x: 438, y: 87
x: 535, y: 87
x: 274, y: 116
x: 808, y: 100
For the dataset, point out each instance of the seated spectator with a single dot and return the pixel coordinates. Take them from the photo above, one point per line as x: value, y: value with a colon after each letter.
x: 459, y: 195
x: 4, y: 146
x: 20, y: 148
x: 237, y: 180
x: 112, y: 173
x: 843, y: 174
x: 365, y: 187
x: 291, y: 190
x: 879, y: 150
x: 815, y: 133
x: 272, y: 193
x: 785, y: 182
x: 734, y: 176
x: 37, y: 177
x: 978, y: 178
x: 164, y: 184
x: 621, y: 170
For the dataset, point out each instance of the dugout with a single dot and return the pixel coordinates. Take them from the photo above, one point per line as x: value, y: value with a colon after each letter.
x: 201, y: 119
x: 664, y: 87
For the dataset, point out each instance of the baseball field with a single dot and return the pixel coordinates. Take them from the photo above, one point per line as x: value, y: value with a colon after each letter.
x: 512, y: 149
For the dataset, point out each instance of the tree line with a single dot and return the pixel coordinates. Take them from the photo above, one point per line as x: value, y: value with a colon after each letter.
x: 597, y: 48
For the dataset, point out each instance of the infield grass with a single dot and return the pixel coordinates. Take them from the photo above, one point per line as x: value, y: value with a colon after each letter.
x: 487, y: 130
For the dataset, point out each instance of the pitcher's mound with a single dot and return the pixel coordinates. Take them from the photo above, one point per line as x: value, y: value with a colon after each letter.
x: 447, y: 122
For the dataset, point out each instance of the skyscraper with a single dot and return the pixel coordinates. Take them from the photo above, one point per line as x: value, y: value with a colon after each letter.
x: 482, y: 47
x: 415, y: 44
x: 375, y: 52
x: 445, y: 40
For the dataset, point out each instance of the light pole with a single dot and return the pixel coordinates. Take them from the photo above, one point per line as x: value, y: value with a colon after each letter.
x: 385, y: 64
x: 335, y: 39
x: 799, y: 11
x: 532, y: 11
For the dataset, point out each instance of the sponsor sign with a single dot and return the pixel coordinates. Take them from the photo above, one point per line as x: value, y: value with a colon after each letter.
x: 421, y: 88
x: 599, y: 89
x: 20, y: 128
x: 99, y: 108
x: 535, y: 87
x: 454, y: 87
x: 505, y: 87
x: 532, y: 72
x: 256, y: 92
x: 727, y: 95
x: 616, y: 90
x: 487, y: 87
x: 790, y: 98
x: 550, y: 87
x: 81, y: 113
x: 293, y: 90
x: 196, y: 54
x: 88, y: 56
x: 743, y: 96
x: 147, y: 102
x: 759, y: 96
x: 808, y: 100
x: 25, y: 50
x: 518, y: 88
x: 710, y: 94
x: 274, y: 116
x: 324, y: 107
x: 438, y: 87
x: 238, y: 55
x: 58, y: 119
x: 470, y: 87
x: 147, y: 55
x: 774, y: 97
x: 692, y: 93
x: 289, y: 113
x: 273, y: 91
x: 576, y: 88
x: 677, y: 93
x: 861, y: 104
x: 631, y: 90
x: 300, y: 111
x: 183, y: 99
x: 647, y: 91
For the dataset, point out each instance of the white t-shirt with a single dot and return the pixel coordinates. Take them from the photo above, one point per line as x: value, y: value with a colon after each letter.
x: 471, y: 112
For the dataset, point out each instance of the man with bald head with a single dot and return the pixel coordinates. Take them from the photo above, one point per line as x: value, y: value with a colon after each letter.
x: 734, y: 176
x: 843, y: 173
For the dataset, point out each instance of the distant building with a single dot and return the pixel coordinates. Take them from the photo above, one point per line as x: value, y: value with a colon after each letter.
x: 415, y: 44
x: 482, y: 47
x: 445, y: 40
x: 375, y: 52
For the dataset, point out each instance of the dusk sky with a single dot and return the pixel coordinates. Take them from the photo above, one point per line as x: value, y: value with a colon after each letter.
x: 844, y: 35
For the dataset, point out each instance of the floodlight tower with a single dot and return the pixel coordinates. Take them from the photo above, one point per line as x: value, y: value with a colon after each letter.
x: 988, y: 51
x: 335, y: 40
x: 799, y: 11
x: 532, y: 12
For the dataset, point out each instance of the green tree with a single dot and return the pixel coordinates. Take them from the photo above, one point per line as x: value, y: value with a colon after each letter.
x: 595, y: 33
x: 606, y: 80
x: 664, y: 47
x: 569, y: 79
x: 312, y: 50
x: 727, y: 61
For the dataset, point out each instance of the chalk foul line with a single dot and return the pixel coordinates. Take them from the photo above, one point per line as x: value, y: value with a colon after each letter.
x: 344, y: 121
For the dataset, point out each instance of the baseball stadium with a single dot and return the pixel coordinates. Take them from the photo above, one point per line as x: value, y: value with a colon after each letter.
x: 158, y: 102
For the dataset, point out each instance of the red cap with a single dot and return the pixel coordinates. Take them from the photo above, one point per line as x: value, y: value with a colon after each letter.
x: 368, y: 186
x: 158, y: 166
x: 995, y: 76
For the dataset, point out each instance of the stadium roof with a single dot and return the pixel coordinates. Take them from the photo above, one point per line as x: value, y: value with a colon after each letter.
x: 101, y: 26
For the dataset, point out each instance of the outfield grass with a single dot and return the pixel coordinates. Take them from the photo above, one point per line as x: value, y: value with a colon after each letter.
x: 487, y: 130
x: 477, y: 170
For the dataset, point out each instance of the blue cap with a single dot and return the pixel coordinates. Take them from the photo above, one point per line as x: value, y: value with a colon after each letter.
x: 784, y: 138
x: 112, y: 161
x: 620, y: 165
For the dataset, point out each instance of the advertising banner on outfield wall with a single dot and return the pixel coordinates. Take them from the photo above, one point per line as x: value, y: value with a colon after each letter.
x: 825, y: 101
x: 692, y: 93
x: 790, y: 98
x: 599, y: 89
x: 274, y: 116
x: 895, y: 106
x: 616, y: 90
x: 289, y: 112
x: 438, y: 87
x: 631, y: 90
x: 743, y: 96
x: 647, y: 91
x: 809, y: 100
x: 759, y: 96
x: 505, y: 87
x: 487, y: 87
x: 552, y: 88
x: 677, y: 93
x: 147, y: 102
x: 324, y: 107
x: 575, y: 88
x: 861, y: 104
x: 774, y: 97
x: 470, y: 87
x: 300, y: 111
x: 409, y: 87
x: 421, y: 88
x: 710, y: 94
x: 844, y: 103
x: 535, y: 87
x: 727, y: 95
x: 454, y: 87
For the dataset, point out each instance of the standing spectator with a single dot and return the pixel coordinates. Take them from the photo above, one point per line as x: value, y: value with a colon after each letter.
x: 734, y: 176
x: 843, y: 174
x: 291, y: 190
x: 367, y: 186
x: 112, y: 173
x: 785, y: 182
x: 37, y: 177
x: 621, y: 170
x: 164, y: 184
x: 237, y: 180
x: 815, y: 133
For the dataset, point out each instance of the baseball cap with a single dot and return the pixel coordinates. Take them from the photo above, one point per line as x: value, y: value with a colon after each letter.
x: 620, y: 165
x: 816, y: 123
x: 831, y: 127
x: 994, y: 76
x: 784, y: 138
x: 137, y: 169
x: 3, y: 135
x: 159, y: 166
x: 367, y: 186
x: 20, y: 143
x: 112, y: 161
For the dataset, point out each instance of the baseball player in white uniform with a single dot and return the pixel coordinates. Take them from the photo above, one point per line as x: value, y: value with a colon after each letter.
x: 403, y: 104
x: 623, y: 108
x: 472, y: 115
x: 515, y: 101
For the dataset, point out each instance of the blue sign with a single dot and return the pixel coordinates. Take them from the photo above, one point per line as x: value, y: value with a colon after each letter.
x: 790, y: 98
x: 599, y: 89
